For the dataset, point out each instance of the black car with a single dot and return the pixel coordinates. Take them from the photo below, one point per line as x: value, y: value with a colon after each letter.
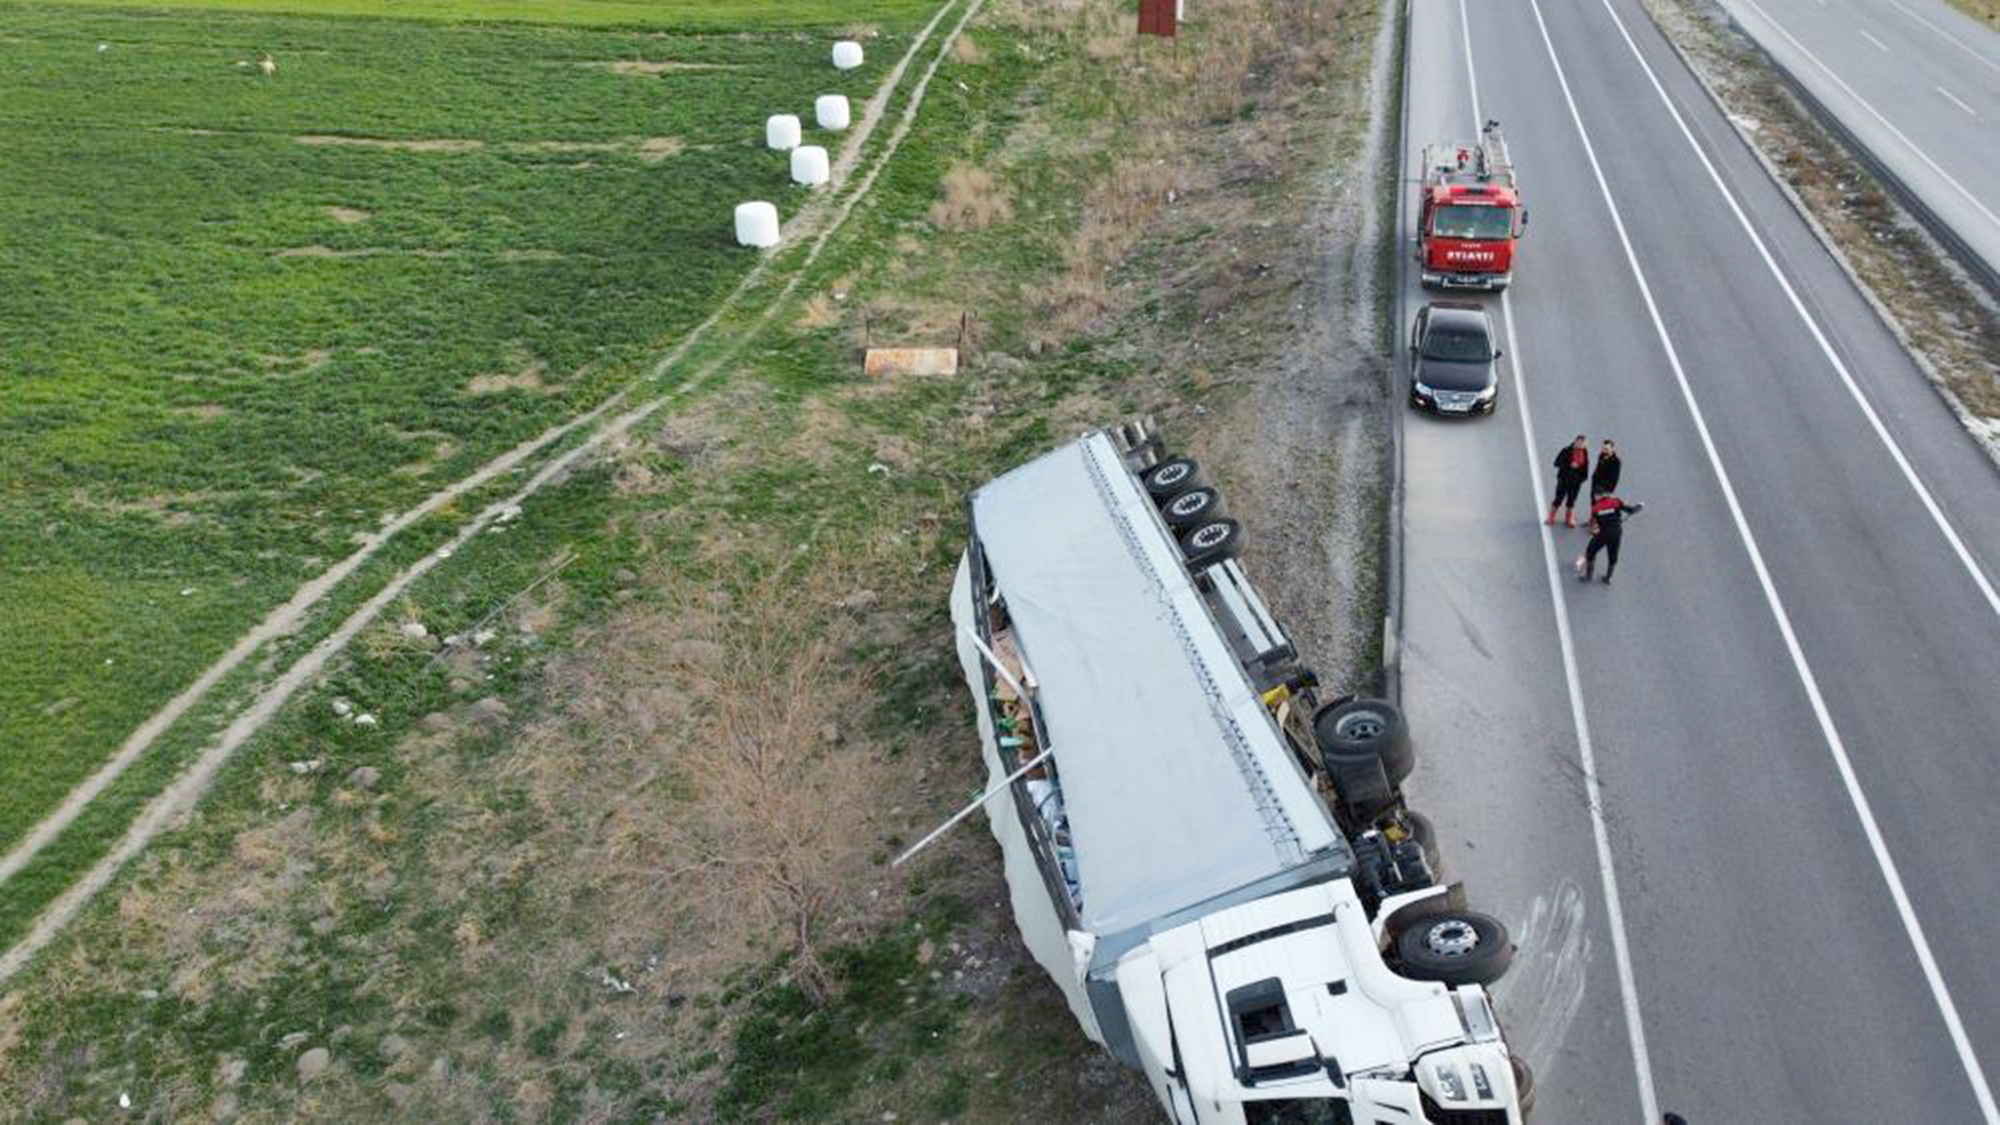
x: 1451, y: 359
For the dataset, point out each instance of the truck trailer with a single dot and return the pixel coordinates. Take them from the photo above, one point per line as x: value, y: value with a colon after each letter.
x: 1218, y: 872
x: 1469, y: 215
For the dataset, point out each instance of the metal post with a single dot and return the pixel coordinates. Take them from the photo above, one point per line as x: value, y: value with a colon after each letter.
x: 961, y: 814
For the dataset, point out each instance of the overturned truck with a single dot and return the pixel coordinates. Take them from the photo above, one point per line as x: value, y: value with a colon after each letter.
x: 1218, y: 872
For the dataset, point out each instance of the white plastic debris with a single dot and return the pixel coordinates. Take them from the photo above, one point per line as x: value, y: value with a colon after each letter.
x: 757, y: 224
x: 831, y: 111
x: 847, y: 54
x: 415, y: 630
x: 782, y: 131
x: 809, y: 165
x: 342, y: 707
x: 365, y: 720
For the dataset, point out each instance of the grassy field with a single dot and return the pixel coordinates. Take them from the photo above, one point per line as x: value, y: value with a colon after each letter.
x: 687, y: 15
x: 246, y: 318
x: 626, y: 857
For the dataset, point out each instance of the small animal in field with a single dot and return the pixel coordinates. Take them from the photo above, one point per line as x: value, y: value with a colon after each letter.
x: 267, y: 65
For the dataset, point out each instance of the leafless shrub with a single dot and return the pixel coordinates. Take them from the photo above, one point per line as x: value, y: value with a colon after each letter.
x: 780, y: 790
x: 973, y: 200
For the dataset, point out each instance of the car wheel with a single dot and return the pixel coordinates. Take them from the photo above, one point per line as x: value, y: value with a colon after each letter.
x: 1455, y: 948
x: 1524, y: 1084
x: 1211, y: 542
x: 1196, y: 505
x: 1170, y: 478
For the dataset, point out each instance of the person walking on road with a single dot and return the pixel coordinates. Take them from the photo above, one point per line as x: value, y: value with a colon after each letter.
x: 1572, y: 466
x: 1607, y: 530
x: 1604, y: 478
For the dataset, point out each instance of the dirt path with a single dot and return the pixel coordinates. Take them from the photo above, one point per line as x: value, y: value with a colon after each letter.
x: 826, y: 217
x: 1312, y: 443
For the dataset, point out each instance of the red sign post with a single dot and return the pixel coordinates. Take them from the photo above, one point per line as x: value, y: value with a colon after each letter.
x: 1158, y: 17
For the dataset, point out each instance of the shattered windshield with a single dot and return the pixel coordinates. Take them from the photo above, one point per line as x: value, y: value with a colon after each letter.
x: 1473, y: 222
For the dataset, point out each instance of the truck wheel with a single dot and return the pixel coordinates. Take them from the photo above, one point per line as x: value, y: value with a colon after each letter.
x: 1426, y: 837
x: 1459, y: 947
x: 1361, y: 730
x: 1524, y: 1084
x: 1196, y: 505
x: 1211, y: 542
x: 1170, y: 478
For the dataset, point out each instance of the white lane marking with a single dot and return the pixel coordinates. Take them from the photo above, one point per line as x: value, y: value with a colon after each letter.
x: 1614, y: 910
x: 1954, y: 40
x: 1879, y: 45
x: 1948, y: 97
x: 1913, y: 929
x: 1877, y: 115
x: 1965, y: 559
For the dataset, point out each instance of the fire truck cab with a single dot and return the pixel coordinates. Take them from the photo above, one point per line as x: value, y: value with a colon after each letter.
x: 1470, y: 214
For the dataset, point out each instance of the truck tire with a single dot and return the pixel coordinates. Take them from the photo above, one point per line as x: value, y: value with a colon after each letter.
x: 1456, y: 947
x: 1170, y: 478
x: 1211, y: 542
x: 1196, y: 505
x: 1365, y: 730
x: 1524, y: 1084
x: 1426, y: 837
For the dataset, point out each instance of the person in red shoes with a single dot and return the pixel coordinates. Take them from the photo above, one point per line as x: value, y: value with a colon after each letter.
x: 1607, y: 530
x: 1572, y: 469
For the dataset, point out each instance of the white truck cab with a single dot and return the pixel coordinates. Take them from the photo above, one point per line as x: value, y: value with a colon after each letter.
x: 1219, y: 873
x: 1282, y: 1009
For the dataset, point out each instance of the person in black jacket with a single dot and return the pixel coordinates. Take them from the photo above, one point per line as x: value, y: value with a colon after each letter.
x: 1607, y: 530
x: 1572, y: 465
x: 1605, y: 478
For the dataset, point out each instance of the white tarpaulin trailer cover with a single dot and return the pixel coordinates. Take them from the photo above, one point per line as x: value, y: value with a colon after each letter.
x: 1179, y: 787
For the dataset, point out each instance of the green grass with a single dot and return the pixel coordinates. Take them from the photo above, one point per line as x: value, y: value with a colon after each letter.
x: 687, y: 15
x: 214, y: 383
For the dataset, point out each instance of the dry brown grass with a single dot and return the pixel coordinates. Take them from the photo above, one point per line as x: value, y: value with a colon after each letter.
x: 1987, y: 11
x: 819, y: 311
x: 966, y: 50
x: 973, y: 200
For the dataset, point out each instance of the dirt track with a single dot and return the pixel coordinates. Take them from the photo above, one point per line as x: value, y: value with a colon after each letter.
x: 822, y: 219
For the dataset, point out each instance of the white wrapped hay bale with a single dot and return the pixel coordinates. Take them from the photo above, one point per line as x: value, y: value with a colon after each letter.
x: 847, y: 54
x: 831, y: 111
x: 809, y: 165
x: 757, y: 224
x: 782, y: 131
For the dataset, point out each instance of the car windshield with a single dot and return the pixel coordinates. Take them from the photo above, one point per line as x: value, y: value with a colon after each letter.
x: 1473, y: 222
x: 1457, y: 345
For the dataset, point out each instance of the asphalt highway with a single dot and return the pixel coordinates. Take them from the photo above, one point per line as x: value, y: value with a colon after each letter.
x: 1915, y: 81
x: 1737, y: 807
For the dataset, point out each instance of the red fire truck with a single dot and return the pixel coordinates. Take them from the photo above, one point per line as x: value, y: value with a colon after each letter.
x: 1470, y: 214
